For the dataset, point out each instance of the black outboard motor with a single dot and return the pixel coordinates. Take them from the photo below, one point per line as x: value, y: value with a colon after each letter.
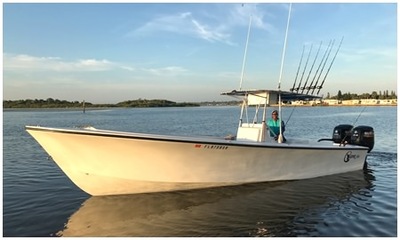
x: 342, y: 133
x: 363, y: 136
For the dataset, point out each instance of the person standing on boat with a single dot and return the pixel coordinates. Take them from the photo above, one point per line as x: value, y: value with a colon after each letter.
x: 274, y: 126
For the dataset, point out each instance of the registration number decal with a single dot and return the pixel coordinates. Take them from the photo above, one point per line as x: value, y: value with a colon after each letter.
x: 206, y: 146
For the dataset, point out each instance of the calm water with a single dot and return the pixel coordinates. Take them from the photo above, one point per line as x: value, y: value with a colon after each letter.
x: 39, y: 200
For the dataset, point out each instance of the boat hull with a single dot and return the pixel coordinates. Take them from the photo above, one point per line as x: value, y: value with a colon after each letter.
x: 110, y: 163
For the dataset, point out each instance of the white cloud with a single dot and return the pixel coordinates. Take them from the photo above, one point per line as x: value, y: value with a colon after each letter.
x: 205, y: 32
x: 184, y: 24
x: 386, y: 54
x: 93, y: 65
x: 202, y: 25
x: 166, y: 71
x: 128, y: 68
x: 26, y: 62
x: 176, y: 23
x: 240, y: 16
x: 22, y: 63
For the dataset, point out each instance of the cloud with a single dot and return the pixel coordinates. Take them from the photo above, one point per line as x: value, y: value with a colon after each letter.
x: 240, y: 15
x: 128, y: 68
x: 166, y: 71
x: 387, y: 54
x: 93, y: 64
x: 22, y: 63
x: 218, y: 27
x: 184, y: 24
x: 205, y: 32
x: 177, y: 23
x: 27, y: 62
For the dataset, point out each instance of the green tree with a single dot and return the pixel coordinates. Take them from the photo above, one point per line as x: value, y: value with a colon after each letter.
x: 374, y: 95
x: 339, y: 95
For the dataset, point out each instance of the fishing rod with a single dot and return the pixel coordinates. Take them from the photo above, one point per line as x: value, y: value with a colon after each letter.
x: 298, y: 69
x: 280, y: 138
x: 302, y: 75
x: 290, y: 116
x: 329, y: 53
x: 342, y: 142
x: 340, y: 44
x: 359, y: 115
x: 347, y: 131
x: 312, y: 66
x: 319, y: 66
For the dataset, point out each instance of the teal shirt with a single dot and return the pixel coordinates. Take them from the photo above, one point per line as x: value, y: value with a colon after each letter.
x: 273, y: 127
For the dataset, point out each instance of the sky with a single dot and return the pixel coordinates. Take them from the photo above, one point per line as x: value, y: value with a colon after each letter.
x: 112, y: 52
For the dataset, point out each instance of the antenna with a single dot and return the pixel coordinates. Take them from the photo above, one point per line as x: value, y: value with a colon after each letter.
x: 284, y: 48
x: 245, y: 53
x: 280, y: 138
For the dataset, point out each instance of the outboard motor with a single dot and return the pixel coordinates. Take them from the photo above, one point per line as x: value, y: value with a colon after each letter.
x: 342, y: 133
x: 363, y: 136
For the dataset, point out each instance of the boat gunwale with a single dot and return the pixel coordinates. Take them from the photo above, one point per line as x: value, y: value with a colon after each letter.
x: 189, y: 139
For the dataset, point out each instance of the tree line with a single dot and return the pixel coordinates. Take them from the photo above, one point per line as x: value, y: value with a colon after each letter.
x: 374, y: 95
x: 144, y: 103
x: 42, y: 103
x: 56, y: 103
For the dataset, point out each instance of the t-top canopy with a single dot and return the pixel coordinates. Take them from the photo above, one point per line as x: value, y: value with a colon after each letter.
x: 285, y: 96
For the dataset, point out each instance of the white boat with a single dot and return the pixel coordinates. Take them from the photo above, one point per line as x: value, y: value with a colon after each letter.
x: 103, y: 162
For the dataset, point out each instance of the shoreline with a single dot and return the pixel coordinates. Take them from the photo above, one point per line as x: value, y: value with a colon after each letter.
x: 216, y: 105
x: 58, y: 109
x: 341, y: 105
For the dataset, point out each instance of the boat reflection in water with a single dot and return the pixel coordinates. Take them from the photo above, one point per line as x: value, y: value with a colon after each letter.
x: 289, y: 208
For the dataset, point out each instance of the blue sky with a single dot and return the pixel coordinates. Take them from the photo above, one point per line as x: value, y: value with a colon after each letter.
x: 107, y: 53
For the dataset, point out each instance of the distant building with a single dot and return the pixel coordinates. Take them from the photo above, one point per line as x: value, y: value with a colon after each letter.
x: 331, y: 101
x: 354, y: 102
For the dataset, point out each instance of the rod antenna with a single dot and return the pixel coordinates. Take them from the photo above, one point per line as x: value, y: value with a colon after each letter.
x: 284, y: 48
x: 280, y: 138
x: 245, y: 54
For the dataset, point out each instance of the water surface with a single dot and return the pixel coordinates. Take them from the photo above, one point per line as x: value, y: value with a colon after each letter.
x: 39, y: 200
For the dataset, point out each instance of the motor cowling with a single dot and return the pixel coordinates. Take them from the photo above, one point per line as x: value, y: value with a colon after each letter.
x: 363, y: 136
x: 342, y: 133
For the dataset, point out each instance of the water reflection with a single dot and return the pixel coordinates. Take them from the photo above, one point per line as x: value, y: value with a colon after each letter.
x: 293, y: 208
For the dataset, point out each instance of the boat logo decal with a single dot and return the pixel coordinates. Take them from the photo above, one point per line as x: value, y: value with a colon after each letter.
x: 349, y: 156
x: 206, y: 146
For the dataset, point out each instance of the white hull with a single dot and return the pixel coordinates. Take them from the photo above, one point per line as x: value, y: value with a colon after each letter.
x: 111, y: 163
